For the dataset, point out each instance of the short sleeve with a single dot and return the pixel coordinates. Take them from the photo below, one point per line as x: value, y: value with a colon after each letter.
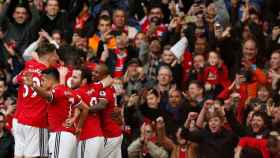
x: 98, y: 86
x: 74, y: 99
x: 58, y: 94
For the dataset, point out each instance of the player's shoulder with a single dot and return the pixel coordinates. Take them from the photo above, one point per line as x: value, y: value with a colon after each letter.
x: 110, y: 89
x: 61, y: 89
x: 83, y: 90
x: 107, y: 91
x: 34, y: 65
x: 97, y: 84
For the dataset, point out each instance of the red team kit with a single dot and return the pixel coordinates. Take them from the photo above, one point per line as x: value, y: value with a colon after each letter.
x: 39, y: 128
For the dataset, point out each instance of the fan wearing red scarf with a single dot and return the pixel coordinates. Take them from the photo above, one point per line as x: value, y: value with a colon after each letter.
x: 116, y: 59
x: 153, y: 23
x: 215, y: 74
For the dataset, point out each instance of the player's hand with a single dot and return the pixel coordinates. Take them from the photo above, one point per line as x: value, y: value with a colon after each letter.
x: 78, y: 132
x: 62, y: 74
x: 108, y: 81
x: 69, y: 123
x: 27, y: 79
x: 117, y: 115
x: 63, y: 71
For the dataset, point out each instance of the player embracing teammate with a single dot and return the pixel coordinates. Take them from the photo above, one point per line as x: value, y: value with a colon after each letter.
x: 79, y: 118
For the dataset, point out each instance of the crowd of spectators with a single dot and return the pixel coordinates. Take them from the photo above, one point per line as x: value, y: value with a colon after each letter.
x: 193, y: 78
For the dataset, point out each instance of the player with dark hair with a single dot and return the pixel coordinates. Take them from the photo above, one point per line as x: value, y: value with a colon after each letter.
x: 61, y: 119
x: 31, y: 134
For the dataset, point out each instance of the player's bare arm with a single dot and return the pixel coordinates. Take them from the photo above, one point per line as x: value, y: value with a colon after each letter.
x: 102, y: 104
x: 71, y: 121
x: 108, y: 81
x: 84, y: 109
x: 62, y: 74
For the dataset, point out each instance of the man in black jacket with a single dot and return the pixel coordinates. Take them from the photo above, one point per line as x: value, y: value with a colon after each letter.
x: 214, y: 141
x: 19, y: 25
x: 55, y: 19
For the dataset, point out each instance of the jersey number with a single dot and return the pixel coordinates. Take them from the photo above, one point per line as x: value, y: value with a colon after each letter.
x: 26, y: 88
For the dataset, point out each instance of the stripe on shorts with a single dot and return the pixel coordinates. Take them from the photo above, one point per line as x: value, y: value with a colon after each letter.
x: 83, y: 148
x: 57, y: 144
x: 43, y: 141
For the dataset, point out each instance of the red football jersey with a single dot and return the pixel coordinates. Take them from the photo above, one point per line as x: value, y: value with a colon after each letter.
x: 92, y: 127
x: 61, y: 107
x: 109, y: 126
x: 31, y: 108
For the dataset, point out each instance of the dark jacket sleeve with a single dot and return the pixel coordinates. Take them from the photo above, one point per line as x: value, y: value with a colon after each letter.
x: 170, y: 37
x: 133, y: 118
x: 234, y: 124
x: 195, y: 136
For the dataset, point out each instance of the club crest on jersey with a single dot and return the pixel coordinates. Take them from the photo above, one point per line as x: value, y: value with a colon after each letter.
x: 102, y: 93
x: 90, y: 92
